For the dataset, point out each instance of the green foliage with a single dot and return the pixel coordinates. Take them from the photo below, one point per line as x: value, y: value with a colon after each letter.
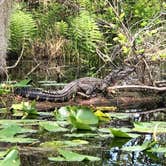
x: 63, y: 143
x: 92, y: 31
x: 25, y: 109
x: 50, y: 20
x: 9, y: 132
x: 11, y: 159
x: 52, y: 127
x: 79, y: 117
x: 22, y: 30
x: 141, y: 10
x: 85, y: 33
x: 72, y: 156
x: 144, y: 147
x: 150, y: 127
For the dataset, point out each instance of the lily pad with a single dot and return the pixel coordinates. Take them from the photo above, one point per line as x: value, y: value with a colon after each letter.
x: 62, y: 113
x: 18, y: 140
x: 11, y: 129
x: 81, y: 135
x: 145, y: 146
x: 72, y: 156
x: 20, y: 122
x: 120, y: 133
x: 85, y: 115
x: 83, y: 118
x: 52, y: 126
x: 158, y: 150
x: 56, y: 144
x: 150, y: 127
x: 12, y: 159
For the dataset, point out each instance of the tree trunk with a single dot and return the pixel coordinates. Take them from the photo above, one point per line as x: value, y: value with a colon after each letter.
x: 5, y: 8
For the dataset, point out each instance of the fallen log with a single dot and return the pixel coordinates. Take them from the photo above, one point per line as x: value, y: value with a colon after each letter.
x: 123, y: 97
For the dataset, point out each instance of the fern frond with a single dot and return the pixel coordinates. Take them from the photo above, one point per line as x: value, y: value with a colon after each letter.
x: 85, y: 31
x: 22, y: 29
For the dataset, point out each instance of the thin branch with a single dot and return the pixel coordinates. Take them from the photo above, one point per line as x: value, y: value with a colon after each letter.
x: 18, y: 60
x: 33, y: 69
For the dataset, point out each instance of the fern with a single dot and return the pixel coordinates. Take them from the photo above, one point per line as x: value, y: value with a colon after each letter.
x: 61, y: 28
x: 85, y: 32
x: 22, y: 30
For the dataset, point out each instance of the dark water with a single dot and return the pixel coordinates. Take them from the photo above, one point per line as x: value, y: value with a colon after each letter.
x: 108, y: 149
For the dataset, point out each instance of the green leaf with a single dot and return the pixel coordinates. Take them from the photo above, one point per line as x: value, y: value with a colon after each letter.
x: 85, y: 115
x: 2, y: 153
x: 158, y: 150
x: 150, y: 127
x: 12, y: 159
x: 25, y: 109
x: 62, y: 114
x: 145, y: 146
x: 72, y: 156
x: 81, y: 135
x: 119, y: 133
x: 18, y: 140
x: 79, y: 125
x: 20, y: 122
x: 52, y: 126
x: 82, y: 118
x: 22, y: 83
x: 56, y: 144
x: 11, y: 129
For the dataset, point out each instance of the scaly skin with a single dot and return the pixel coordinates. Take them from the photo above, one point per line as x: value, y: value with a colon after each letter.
x: 87, y: 85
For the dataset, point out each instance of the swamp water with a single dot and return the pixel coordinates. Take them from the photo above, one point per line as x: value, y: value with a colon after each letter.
x: 40, y: 138
x: 118, y: 141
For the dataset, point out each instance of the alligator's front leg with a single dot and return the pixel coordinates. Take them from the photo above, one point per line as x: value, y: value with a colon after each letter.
x: 87, y: 89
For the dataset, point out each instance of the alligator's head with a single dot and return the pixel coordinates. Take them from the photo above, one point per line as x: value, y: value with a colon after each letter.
x: 118, y: 75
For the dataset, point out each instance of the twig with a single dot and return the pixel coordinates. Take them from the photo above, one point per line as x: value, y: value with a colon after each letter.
x: 149, y: 72
x: 18, y: 60
x: 33, y: 69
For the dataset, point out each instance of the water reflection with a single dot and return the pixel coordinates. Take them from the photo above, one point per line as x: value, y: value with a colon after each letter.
x: 116, y: 157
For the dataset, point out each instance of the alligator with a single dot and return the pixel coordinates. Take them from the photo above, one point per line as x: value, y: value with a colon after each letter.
x: 86, y: 85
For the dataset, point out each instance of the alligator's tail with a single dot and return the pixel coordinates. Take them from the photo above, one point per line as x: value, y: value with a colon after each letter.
x: 38, y: 94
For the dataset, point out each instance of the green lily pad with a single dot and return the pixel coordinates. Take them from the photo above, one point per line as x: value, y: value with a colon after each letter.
x: 12, y: 159
x: 62, y: 113
x: 145, y: 146
x: 86, y: 116
x: 52, y: 126
x: 2, y: 153
x: 56, y: 144
x: 158, y: 150
x: 150, y: 127
x: 83, y: 118
x: 11, y: 129
x: 20, y: 122
x: 18, y: 140
x: 120, y: 133
x: 72, y: 156
x: 81, y: 135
